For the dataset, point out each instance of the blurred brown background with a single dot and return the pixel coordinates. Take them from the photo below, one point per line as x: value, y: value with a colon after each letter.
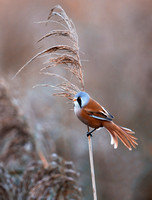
x: 116, y: 37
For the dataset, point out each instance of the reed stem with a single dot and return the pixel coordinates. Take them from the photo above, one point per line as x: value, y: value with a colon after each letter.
x: 92, y: 168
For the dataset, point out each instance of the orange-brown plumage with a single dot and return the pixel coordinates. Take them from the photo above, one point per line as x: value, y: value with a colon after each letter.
x: 91, y: 107
x: 91, y: 113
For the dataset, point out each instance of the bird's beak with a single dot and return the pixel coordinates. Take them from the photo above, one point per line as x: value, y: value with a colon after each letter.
x: 74, y: 99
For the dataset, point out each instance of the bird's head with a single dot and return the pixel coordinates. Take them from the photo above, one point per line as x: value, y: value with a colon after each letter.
x: 81, y: 99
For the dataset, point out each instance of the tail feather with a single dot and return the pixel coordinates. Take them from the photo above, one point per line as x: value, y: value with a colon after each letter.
x: 124, y: 134
x: 127, y: 129
x: 130, y: 137
x: 123, y: 139
x: 114, y: 139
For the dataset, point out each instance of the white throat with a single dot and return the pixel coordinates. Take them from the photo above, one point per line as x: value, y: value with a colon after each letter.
x: 77, y: 108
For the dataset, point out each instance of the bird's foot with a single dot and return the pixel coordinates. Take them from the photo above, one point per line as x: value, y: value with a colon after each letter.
x: 89, y: 134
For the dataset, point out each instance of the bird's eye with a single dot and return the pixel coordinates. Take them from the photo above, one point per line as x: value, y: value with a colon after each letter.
x: 79, y: 101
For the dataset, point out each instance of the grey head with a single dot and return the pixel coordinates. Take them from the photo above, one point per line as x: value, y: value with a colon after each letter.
x: 82, y: 98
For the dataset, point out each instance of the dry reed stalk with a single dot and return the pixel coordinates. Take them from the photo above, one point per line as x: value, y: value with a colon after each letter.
x: 92, y: 167
x: 43, y: 159
x: 66, y: 56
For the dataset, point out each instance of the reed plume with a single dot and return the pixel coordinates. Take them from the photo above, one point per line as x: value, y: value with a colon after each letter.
x: 64, y: 55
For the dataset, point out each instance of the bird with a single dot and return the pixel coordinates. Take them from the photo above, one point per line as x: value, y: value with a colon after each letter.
x: 95, y: 116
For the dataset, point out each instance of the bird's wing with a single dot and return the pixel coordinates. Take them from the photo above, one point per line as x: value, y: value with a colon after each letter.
x: 108, y: 114
x: 98, y: 115
x: 95, y: 110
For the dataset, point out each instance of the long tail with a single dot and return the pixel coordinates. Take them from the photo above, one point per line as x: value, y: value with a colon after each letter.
x: 124, y: 134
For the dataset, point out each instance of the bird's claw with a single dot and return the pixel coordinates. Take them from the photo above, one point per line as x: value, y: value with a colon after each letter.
x: 89, y: 134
